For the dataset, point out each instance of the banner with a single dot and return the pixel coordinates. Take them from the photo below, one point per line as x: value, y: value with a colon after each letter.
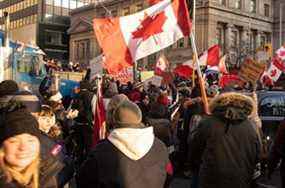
x: 125, y: 75
x: 155, y: 80
x: 96, y: 65
x: 146, y: 75
x: 251, y: 71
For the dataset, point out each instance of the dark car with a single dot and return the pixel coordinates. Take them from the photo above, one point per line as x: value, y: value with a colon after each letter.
x: 271, y: 106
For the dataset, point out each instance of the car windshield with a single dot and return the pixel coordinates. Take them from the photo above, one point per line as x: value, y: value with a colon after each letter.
x: 273, y: 105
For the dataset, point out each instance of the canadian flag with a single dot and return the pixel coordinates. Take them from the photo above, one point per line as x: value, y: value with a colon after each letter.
x: 130, y: 38
x: 211, y: 57
x: 99, y: 117
x: 275, y: 70
x: 152, y: 2
x: 161, y: 65
x: 281, y: 53
x: 184, y: 70
x: 221, y: 67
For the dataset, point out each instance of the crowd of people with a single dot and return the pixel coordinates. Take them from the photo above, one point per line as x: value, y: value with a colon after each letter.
x: 152, y: 134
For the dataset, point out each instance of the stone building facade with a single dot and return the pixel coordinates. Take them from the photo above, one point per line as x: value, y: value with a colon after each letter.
x: 279, y: 12
x: 224, y: 22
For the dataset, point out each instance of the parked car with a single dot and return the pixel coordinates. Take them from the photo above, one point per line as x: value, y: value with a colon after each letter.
x: 271, y: 106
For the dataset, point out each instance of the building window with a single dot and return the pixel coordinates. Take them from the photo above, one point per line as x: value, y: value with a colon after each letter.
x: 114, y: 13
x: 262, y: 40
x: 181, y: 43
x: 235, y: 38
x: 82, y: 50
x: 266, y: 10
x: 139, y: 7
x: 221, y: 36
x: 53, y: 37
x: 151, y: 60
x: 253, y: 6
x: 222, y: 2
x: 126, y: 11
x: 238, y: 4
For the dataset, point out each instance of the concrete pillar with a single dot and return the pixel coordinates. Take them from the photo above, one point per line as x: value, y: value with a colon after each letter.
x: 258, y: 39
x: 229, y: 39
x: 245, y: 34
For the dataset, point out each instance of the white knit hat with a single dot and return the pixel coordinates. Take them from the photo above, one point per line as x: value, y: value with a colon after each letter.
x: 57, y: 97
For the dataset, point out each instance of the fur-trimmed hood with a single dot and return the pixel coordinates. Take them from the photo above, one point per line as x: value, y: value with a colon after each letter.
x: 232, y: 106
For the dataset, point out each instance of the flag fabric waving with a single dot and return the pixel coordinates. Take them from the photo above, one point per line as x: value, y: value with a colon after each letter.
x: 184, y: 70
x: 99, y: 117
x: 161, y: 65
x: 275, y: 69
x: 152, y: 2
x: 281, y: 53
x: 130, y: 38
x: 211, y: 57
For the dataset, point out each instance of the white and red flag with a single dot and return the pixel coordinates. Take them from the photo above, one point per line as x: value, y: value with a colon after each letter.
x: 221, y: 67
x: 161, y: 66
x: 130, y: 38
x: 99, y: 117
x: 211, y: 57
x: 281, y: 53
x: 185, y: 70
x: 152, y: 2
x: 275, y: 70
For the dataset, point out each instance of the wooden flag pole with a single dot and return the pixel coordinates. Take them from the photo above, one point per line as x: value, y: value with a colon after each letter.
x: 200, y: 77
x: 193, y: 72
x: 194, y: 34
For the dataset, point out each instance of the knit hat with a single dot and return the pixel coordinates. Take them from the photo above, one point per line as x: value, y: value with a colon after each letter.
x: 18, y: 122
x: 127, y: 114
x: 8, y: 87
x: 56, y: 97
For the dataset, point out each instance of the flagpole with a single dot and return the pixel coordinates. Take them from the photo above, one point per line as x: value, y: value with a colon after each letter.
x: 201, y: 80
x: 193, y: 31
x: 135, y: 66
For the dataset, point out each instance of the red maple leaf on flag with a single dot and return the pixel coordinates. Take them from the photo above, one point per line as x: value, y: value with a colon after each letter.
x: 282, y: 53
x: 150, y: 26
x: 152, y: 2
x: 273, y: 73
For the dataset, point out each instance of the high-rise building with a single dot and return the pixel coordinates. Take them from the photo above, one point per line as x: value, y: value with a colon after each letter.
x: 41, y: 22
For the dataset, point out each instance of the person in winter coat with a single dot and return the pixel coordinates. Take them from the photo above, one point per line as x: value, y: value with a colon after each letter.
x: 225, y: 148
x: 21, y: 161
x: 277, y: 153
x: 130, y: 157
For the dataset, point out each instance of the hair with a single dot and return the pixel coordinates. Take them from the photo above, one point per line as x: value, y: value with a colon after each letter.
x: 29, y: 176
x: 46, y: 111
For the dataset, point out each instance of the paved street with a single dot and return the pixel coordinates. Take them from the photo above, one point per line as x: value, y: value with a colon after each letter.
x: 263, y: 182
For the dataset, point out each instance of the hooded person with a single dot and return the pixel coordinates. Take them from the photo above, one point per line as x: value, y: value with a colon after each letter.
x: 225, y: 147
x: 130, y: 157
x: 113, y: 104
x: 23, y: 158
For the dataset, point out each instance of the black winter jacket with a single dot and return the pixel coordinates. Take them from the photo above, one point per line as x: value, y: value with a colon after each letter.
x: 108, y: 167
x: 225, y: 147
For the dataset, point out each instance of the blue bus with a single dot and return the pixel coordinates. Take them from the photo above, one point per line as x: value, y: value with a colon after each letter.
x: 27, y: 66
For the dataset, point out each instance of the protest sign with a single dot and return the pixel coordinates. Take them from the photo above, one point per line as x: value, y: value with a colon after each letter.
x: 251, y: 71
x: 96, y: 66
x: 155, y: 80
x: 146, y: 75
